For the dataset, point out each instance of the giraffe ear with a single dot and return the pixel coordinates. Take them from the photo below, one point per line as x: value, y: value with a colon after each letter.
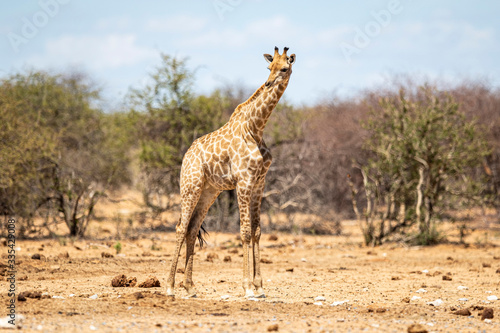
x: 268, y: 57
x: 291, y: 59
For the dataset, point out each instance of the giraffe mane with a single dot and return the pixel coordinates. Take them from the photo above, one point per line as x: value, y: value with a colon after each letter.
x: 252, y: 98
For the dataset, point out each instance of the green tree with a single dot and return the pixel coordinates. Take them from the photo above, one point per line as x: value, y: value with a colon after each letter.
x: 67, y: 156
x: 424, y: 154
x: 169, y: 117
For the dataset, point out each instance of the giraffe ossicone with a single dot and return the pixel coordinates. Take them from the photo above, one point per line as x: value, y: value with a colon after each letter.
x: 232, y: 157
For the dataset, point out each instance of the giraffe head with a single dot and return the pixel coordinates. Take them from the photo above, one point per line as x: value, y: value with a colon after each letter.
x: 280, y: 67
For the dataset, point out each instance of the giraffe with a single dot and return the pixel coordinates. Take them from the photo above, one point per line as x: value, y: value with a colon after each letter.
x: 232, y: 157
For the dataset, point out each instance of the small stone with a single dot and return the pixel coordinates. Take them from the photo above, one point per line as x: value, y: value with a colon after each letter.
x: 462, y: 312
x: 462, y: 288
x: 492, y: 298
x: 318, y: 303
x: 21, y: 297
x: 320, y: 299
x: 447, y: 278
x: 406, y: 300
x: 138, y: 295
x: 486, y: 265
x: 498, y: 271
x: 36, y: 256
x: 265, y: 261
x: 224, y: 297
x: 94, y: 296
x: 180, y: 270
x: 123, y: 281
x: 417, y: 328
x: 421, y: 291
x: 289, y: 269
x: 487, y: 314
x: 273, y: 237
x: 212, y: 256
x: 150, y: 282
x: 437, y: 302
x: 227, y: 259
x: 272, y: 328
x: 106, y: 255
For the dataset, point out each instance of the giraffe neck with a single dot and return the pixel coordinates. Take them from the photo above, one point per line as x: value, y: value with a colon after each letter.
x: 259, y: 108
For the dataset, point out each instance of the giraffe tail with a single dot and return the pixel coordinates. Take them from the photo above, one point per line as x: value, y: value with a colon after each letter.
x: 200, y: 235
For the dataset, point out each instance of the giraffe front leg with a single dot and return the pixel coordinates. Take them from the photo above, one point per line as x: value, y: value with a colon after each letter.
x: 244, y: 197
x: 256, y: 232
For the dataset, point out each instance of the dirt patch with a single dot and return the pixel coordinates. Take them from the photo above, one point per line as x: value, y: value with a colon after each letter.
x: 150, y: 282
x: 123, y: 281
x: 312, y: 283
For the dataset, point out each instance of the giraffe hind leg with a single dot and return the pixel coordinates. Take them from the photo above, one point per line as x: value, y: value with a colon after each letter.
x: 194, y: 231
x: 188, y: 204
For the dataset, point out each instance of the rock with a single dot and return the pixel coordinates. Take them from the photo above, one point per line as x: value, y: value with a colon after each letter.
x: 447, y: 278
x: 31, y: 294
x: 437, y: 302
x: 180, y: 270
x: 462, y: 312
x: 150, y: 282
x: 227, y: 259
x: 492, y: 298
x: 320, y: 299
x: 486, y: 265
x: 36, y: 256
x: 272, y: 328
x: 318, y: 303
x: 265, y: 261
x: 417, y: 328
x: 339, y: 302
x: 123, y: 281
x: 462, y: 288
x: 487, y: 314
x: 211, y: 256
x: 138, y: 295
x: 63, y: 255
x: 224, y: 297
x: 106, y: 255
x: 406, y: 300
x: 21, y: 297
x: 289, y: 269
x: 498, y: 271
x: 94, y: 296
x: 421, y: 291
x: 273, y: 237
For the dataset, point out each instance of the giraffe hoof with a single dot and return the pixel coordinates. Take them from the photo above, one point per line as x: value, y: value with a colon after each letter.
x: 262, y: 295
x: 249, y: 294
x: 170, y: 292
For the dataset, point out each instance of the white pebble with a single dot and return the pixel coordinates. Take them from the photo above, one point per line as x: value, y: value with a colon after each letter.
x: 339, y: 302
x: 93, y: 328
x: 303, y: 259
x: 318, y: 303
x: 225, y: 297
x: 425, y: 271
x: 463, y: 299
x: 71, y: 295
x: 319, y: 299
x: 58, y: 297
x: 421, y: 291
x: 462, y: 288
x: 492, y: 298
x: 437, y: 302
x: 488, y: 321
x: 94, y: 296
x: 414, y: 298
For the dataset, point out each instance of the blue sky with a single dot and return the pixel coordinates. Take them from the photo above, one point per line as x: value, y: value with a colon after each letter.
x: 341, y: 46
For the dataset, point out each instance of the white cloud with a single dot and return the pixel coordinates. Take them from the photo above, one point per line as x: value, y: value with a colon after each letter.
x: 96, y: 52
x: 181, y: 23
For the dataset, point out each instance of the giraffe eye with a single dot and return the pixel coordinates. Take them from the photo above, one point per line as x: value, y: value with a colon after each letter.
x: 284, y: 70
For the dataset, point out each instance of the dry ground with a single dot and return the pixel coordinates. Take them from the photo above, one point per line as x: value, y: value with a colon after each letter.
x: 378, y: 286
x: 382, y: 289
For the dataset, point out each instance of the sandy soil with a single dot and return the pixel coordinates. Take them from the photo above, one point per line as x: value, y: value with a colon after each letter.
x: 382, y: 289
